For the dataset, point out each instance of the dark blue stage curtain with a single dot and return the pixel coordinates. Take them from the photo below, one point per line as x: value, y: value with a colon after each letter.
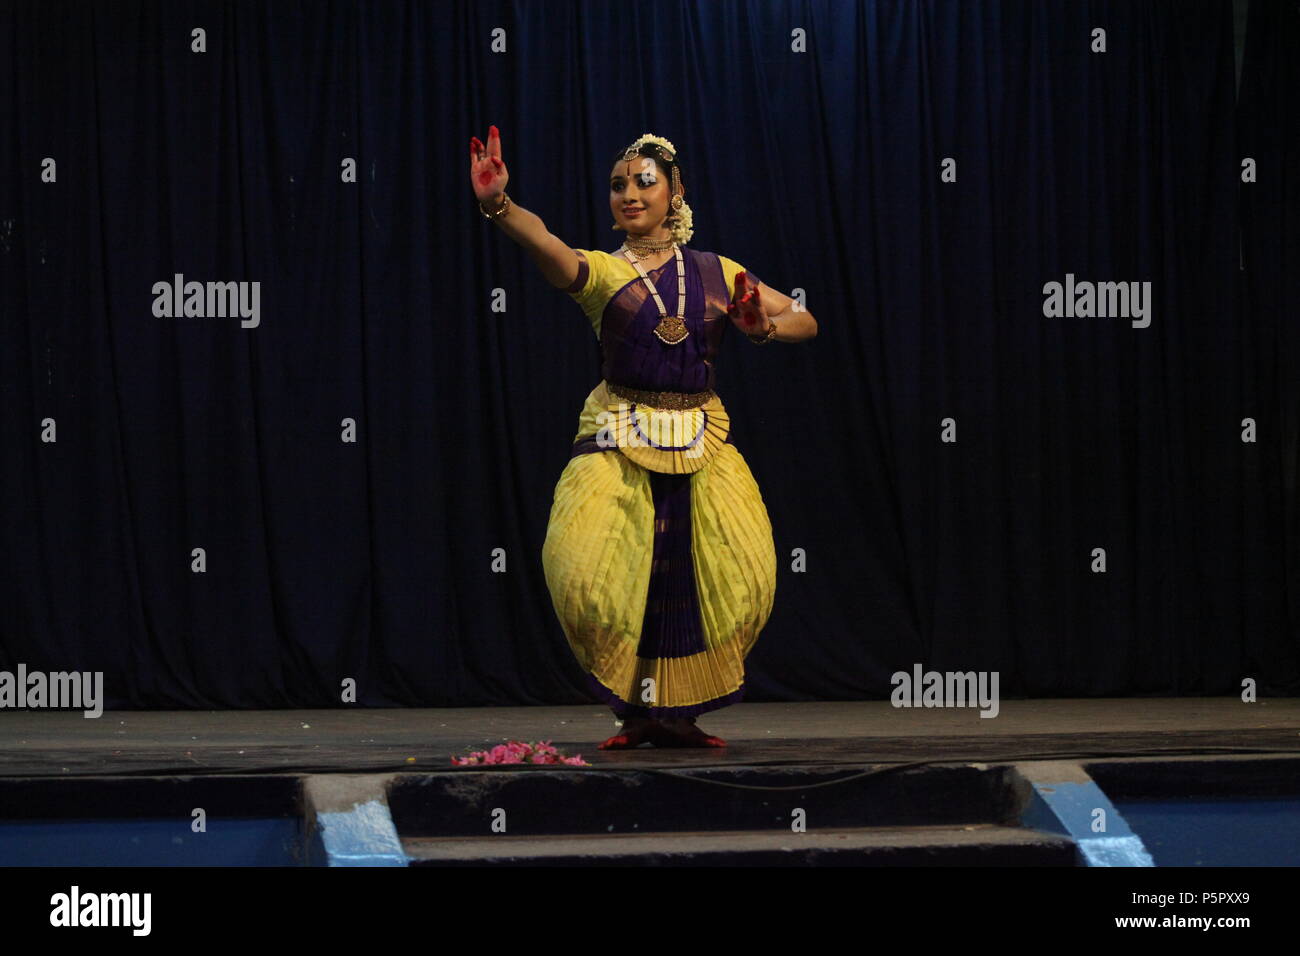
x: 820, y: 167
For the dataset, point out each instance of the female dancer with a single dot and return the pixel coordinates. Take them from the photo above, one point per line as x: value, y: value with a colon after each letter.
x: 659, y: 554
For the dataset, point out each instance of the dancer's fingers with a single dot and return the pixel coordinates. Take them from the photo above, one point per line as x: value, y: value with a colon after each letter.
x: 494, y: 141
x: 742, y: 283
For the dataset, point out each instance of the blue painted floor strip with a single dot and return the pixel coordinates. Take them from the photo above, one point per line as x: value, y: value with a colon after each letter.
x: 353, y: 825
x: 1082, y: 812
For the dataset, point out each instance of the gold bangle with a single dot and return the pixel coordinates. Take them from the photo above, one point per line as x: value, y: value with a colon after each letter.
x: 505, y: 205
x: 765, y: 338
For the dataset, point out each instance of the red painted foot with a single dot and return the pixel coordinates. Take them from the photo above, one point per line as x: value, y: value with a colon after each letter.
x: 629, y: 738
x: 686, y: 735
x: 698, y: 738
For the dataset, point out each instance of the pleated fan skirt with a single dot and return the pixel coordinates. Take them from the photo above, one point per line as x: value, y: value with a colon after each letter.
x: 661, y: 582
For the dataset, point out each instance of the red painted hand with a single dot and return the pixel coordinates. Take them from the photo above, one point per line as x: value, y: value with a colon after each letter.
x: 487, y: 171
x: 746, y: 309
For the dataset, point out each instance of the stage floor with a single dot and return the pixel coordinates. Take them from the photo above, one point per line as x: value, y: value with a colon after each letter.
x: 48, y: 743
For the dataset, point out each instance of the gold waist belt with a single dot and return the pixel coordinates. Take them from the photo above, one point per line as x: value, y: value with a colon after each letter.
x: 671, y: 400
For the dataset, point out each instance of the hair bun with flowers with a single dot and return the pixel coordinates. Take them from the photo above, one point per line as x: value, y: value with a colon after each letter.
x: 681, y: 219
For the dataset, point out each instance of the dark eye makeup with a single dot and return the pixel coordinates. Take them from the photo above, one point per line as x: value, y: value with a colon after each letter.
x: 618, y: 183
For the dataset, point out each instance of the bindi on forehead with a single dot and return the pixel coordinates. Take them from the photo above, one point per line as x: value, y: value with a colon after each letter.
x: 642, y: 168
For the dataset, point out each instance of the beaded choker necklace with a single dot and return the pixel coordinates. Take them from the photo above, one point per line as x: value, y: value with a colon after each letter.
x: 645, y: 248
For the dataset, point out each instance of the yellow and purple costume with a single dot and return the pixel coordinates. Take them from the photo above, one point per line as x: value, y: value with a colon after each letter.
x: 659, y: 554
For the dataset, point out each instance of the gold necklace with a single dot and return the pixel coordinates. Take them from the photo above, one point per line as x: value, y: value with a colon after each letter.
x: 671, y: 328
x: 645, y: 248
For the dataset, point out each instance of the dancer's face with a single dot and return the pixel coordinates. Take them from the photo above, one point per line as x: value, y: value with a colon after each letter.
x: 640, y: 183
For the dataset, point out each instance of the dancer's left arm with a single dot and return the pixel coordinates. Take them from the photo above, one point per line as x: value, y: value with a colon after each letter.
x: 754, y: 308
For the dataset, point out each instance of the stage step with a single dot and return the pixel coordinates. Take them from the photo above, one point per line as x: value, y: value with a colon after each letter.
x: 971, y: 845
x: 546, y: 801
x: 949, y: 815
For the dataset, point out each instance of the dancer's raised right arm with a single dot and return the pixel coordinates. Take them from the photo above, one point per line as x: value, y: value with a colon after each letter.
x: 488, y: 175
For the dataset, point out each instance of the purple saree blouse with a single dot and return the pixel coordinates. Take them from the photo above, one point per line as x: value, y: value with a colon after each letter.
x: 626, y: 315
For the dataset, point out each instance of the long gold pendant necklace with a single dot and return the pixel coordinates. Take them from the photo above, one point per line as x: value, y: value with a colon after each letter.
x: 671, y: 328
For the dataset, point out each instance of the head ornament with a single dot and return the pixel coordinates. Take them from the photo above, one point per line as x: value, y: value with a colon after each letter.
x: 680, y: 221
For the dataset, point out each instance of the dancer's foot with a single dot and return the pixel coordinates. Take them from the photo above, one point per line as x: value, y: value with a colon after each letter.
x: 636, y: 731
x: 684, y: 733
